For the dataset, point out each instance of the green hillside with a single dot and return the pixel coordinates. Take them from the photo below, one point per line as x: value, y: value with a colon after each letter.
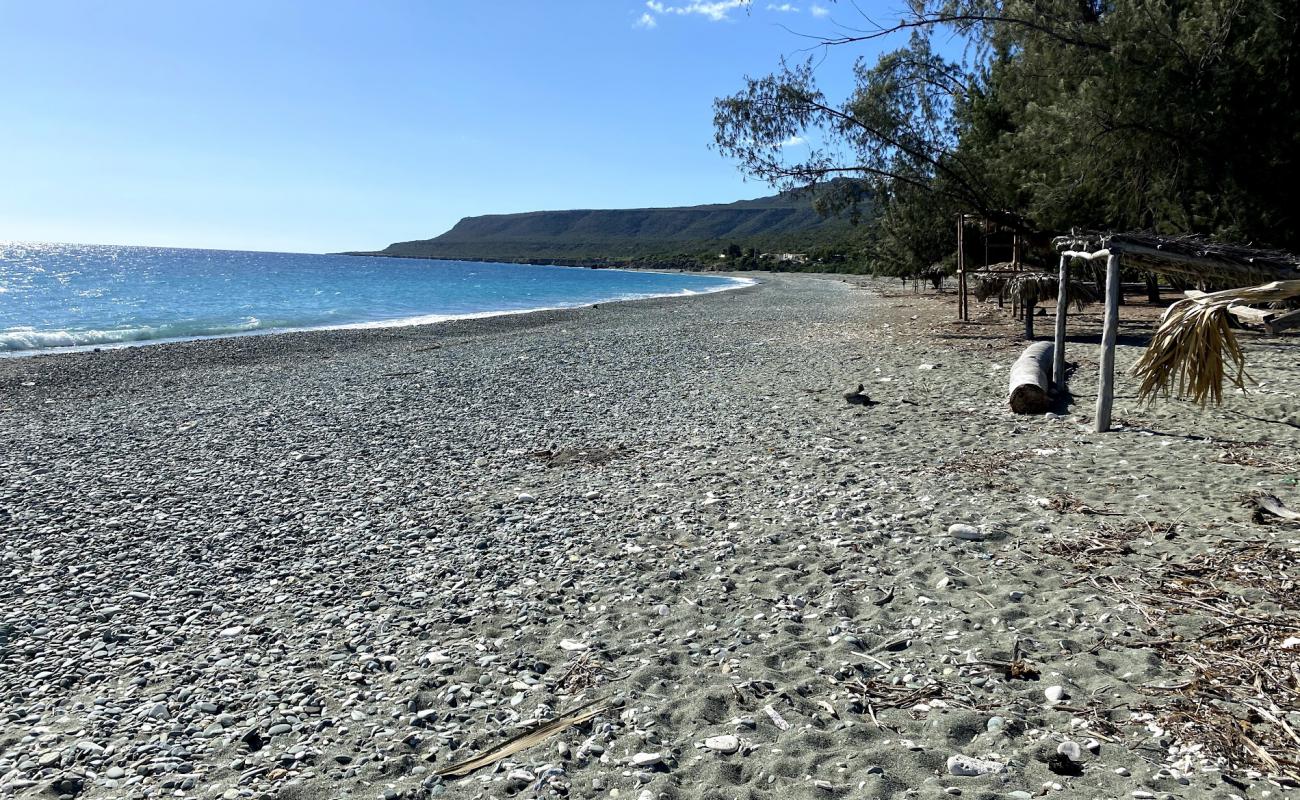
x: 685, y: 236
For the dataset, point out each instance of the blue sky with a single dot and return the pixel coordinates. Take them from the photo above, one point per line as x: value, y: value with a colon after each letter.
x: 318, y: 125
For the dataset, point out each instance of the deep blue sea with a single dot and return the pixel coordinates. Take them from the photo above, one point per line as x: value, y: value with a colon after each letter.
x: 70, y: 295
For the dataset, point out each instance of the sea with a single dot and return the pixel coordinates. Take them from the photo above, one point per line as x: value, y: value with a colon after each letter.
x: 70, y: 296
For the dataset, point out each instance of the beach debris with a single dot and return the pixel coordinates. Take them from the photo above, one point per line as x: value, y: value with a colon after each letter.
x: 1067, y: 759
x: 776, y: 717
x: 1066, y: 503
x: 564, y: 456
x: 1268, y: 508
x: 968, y: 767
x: 524, y: 740
x: 968, y: 532
x: 1030, y: 380
x: 857, y: 397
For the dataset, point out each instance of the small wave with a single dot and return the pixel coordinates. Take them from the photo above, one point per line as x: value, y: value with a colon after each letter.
x: 17, y: 340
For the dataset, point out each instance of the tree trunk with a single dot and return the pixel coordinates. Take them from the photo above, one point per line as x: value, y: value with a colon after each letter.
x: 1029, y: 380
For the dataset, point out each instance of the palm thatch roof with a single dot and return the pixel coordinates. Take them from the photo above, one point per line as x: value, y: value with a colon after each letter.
x: 1190, y: 256
x: 1031, y: 286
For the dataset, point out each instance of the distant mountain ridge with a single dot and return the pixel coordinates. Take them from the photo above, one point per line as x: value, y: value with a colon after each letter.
x: 779, y: 222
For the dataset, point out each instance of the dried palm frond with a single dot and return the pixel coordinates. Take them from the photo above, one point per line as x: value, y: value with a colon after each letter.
x: 1032, y: 287
x: 1194, y: 343
x: 986, y: 286
x: 1037, y: 287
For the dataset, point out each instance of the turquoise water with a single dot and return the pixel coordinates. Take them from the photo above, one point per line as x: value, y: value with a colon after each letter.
x: 63, y: 295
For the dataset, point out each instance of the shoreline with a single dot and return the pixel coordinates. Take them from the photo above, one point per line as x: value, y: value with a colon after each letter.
x: 331, y: 564
x: 402, y: 322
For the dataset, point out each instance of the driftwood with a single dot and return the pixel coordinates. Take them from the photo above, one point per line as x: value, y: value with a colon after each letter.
x: 1273, y: 320
x: 1268, y: 508
x: 524, y: 740
x: 1030, y: 378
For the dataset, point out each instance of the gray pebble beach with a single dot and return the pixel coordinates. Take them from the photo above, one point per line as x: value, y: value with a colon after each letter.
x: 332, y: 564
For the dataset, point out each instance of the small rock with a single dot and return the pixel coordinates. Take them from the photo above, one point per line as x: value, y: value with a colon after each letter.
x: 573, y: 646
x: 525, y: 497
x: 519, y: 777
x: 647, y: 759
x: 968, y: 532
x: 1054, y: 694
x: 1070, y: 750
x: 968, y: 767
x: 723, y: 744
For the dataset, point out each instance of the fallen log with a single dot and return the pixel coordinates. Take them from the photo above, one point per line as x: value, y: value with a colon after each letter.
x: 1030, y: 378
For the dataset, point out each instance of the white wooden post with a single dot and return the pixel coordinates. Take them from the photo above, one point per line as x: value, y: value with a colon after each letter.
x: 1062, y: 302
x: 1106, y: 379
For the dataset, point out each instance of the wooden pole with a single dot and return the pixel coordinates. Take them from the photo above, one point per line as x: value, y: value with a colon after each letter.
x: 1062, y: 306
x: 1110, y: 329
x: 961, y: 272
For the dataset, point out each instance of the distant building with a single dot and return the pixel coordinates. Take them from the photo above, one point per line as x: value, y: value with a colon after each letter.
x: 791, y: 258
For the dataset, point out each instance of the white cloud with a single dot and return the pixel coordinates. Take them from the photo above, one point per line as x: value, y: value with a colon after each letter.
x: 784, y: 8
x: 646, y: 21
x: 716, y: 11
x: 819, y: 11
x: 793, y: 141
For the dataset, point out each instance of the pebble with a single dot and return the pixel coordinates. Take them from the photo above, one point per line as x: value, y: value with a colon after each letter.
x: 347, y: 623
x: 967, y: 532
x: 723, y: 744
x: 966, y: 766
x: 647, y: 759
x: 1054, y: 694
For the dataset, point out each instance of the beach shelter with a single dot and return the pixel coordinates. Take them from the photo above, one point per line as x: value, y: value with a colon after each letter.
x: 1190, y: 346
